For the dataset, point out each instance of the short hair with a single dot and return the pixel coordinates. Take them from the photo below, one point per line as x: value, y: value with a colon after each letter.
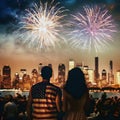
x: 46, y: 72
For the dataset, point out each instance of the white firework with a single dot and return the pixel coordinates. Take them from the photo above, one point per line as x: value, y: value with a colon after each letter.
x: 42, y: 26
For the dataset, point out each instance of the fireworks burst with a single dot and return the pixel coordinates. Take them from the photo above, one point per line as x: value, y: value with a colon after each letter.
x: 41, y: 27
x: 92, y: 28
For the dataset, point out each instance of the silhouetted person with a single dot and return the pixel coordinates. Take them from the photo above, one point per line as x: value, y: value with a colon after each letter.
x: 44, y: 100
x: 75, y: 95
x: 10, y: 109
x: 2, y: 102
x: 105, y: 108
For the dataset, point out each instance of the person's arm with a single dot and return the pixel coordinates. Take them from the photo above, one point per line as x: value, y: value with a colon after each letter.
x: 87, y: 103
x: 59, y: 106
x: 4, y: 111
x: 59, y: 101
x: 64, y: 101
x: 29, y: 106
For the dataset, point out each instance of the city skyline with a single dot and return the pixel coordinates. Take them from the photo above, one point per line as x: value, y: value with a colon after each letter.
x: 18, y: 56
x: 93, y: 76
x: 67, y: 68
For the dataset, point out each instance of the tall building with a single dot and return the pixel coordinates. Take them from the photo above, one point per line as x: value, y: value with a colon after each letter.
x: 16, y: 81
x: 96, y: 68
x: 110, y: 74
x: 104, y: 74
x: 61, y: 73
x: 52, y: 78
x: 111, y: 66
x: 71, y: 64
x: 39, y: 68
x: 85, y: 71
x: 0, y: 79
x: 34, y: 77
x: 118, y: 77
x: 23, y: 72
x: 91, y: 75
x: 6, y: 71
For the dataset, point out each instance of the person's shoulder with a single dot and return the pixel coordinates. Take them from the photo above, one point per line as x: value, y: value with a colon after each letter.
x: 8, y: 103
x: 37, y: 84
x: 54, y: 86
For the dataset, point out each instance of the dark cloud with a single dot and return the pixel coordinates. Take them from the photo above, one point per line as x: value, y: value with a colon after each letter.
x: 9, y: 11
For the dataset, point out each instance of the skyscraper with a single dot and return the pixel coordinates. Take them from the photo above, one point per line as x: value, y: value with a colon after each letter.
x: 71, y: 64
x: 0, y: 79
x: 61, y: 73
x: 34, y: 77
x: 110, y: 74
x: 6, y: 76
x: 16, y: 81
x: 104, y: 74
x: 91, y: 75
x: 52, y: 78
x: 111, y: 66
x: 85, y: 71
x: 39, y: 68
x: 118, y: 77
x: 96, y: 68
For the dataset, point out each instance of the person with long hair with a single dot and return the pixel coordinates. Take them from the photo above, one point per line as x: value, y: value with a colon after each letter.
x: 75, y: 95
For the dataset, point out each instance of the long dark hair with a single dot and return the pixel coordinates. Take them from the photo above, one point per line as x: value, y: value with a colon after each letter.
x: 76, y: 84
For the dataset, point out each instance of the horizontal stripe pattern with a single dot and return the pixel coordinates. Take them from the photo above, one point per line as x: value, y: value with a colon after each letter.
x: 44, y: 106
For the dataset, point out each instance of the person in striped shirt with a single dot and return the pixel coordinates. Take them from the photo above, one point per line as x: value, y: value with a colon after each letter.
x: 44, y: 101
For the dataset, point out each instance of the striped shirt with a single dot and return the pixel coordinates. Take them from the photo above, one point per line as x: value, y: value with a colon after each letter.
x: 44, y: 105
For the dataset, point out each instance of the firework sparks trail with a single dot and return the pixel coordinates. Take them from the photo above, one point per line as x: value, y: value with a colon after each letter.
x: 92, y: 28
x: 41, y: 27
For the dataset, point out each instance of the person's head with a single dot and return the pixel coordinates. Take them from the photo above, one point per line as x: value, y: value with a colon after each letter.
x: 76, y: 84
x: 46, y: 72
x: 75, y: 74
x: 9, y: 98
x: 104, y: 96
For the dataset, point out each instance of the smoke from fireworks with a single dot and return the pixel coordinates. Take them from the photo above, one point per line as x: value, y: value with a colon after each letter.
x: 41, y: 26
x: 92, y: 28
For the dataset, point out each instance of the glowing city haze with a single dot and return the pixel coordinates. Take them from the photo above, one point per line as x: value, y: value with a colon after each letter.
x: 20, y: 52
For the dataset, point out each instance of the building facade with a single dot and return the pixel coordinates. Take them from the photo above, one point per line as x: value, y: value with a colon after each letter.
x: 6, y: 81
x: 96, y: 69
x: 71, y: 64
x: 61, y: 73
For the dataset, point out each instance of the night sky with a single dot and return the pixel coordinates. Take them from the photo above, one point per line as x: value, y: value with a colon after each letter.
x: 10, y: 11
x: 17, y: 56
